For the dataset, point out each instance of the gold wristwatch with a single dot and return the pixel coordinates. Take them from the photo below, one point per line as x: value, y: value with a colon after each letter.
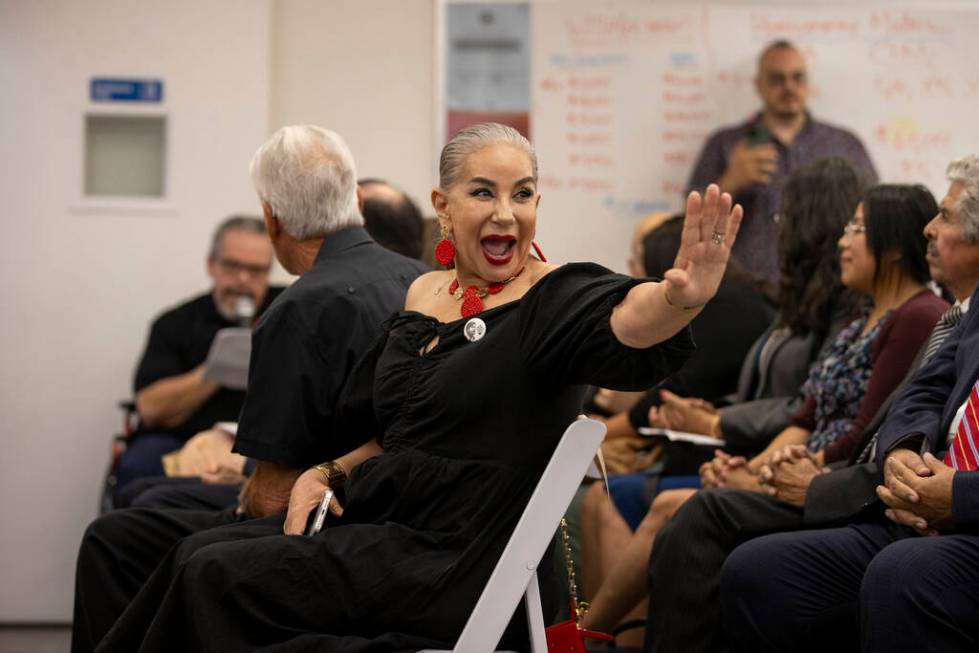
x: 333, y: 474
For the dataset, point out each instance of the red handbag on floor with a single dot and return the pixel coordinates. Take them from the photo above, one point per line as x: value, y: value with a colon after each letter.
x: 568, y: 636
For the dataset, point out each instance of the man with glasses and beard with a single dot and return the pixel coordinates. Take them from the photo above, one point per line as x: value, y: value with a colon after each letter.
x: 173, y: 400
x: 752, y: 160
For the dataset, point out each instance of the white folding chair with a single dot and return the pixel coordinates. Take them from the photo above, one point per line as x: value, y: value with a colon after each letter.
x: 515, y: 574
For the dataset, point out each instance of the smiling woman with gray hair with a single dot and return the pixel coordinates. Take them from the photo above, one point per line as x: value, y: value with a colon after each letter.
x: 459, y: 407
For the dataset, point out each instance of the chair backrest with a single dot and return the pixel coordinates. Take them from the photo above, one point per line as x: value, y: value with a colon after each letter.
x: 516, y: 572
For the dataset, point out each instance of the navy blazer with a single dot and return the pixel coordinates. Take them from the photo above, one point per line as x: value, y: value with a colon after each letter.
x: 928, y: 405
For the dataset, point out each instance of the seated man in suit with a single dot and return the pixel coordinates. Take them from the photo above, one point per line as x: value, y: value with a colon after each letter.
x: 684, y: 610
x: 173, y: 400
x: 877, y: 585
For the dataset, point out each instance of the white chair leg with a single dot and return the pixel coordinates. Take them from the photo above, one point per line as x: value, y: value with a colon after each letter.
x: 535, y: 616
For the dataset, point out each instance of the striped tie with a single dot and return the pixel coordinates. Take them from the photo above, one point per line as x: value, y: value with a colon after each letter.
x: 964, y: 452
x: 946, y: 323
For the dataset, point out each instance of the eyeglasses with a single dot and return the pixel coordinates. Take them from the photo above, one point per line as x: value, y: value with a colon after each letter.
x: 231, y: 267
x: 852, y: 228
x: 781, y: 79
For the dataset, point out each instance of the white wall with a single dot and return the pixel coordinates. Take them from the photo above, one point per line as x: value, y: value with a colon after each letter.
x: 365, y: 69
x: 82, y: 281
x: 79, y: 287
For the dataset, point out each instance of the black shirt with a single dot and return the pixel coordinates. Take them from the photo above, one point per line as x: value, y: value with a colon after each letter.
x: 308, y: 341
x: 178, y: 342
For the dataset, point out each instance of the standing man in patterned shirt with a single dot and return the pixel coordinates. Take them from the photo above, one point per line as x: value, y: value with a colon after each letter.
x: 752, y: 160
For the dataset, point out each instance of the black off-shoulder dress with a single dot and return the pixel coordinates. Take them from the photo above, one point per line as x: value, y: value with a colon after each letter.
x: 467, y: 429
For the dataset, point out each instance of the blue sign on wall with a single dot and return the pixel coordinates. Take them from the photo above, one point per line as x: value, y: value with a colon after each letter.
x: 109, y: 89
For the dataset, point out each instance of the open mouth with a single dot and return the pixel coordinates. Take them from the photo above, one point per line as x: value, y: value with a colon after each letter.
x: 498, y: 250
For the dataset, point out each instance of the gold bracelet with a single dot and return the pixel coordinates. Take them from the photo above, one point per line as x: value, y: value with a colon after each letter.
x: 666, y: 296
x: 333, y: 474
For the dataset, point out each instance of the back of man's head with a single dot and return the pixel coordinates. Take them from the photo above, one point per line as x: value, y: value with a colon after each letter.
x: 306, y: 174
x: 392, y: 218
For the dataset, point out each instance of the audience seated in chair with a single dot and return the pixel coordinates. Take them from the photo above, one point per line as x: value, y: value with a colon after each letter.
x: 685, y: 609
x: 723, y: 331
x: 814, y: 306
x: 204, y: 473
x: 172, y: 398
x: 303, y: 350
x: 468, y: 418
x: 882, y: 253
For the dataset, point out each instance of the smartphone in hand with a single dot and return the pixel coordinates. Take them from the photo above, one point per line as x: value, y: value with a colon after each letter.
x: 319, y: 517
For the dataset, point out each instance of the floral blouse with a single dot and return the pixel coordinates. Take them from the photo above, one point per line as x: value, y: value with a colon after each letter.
x: 838, y: 381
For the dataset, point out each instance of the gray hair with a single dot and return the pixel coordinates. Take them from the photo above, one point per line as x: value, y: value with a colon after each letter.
x: 474, y: 138
x: 247, y: 223
x: 307, y: 175
x: 966, y: 171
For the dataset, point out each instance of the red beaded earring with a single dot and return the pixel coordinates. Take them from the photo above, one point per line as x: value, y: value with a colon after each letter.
x: 445, y: 249
x: 540, y: 254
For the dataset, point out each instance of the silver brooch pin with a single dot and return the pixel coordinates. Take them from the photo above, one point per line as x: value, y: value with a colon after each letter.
x: 474, y: 330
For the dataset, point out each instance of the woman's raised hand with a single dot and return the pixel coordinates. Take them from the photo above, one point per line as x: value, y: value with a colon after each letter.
x: 709, y: 229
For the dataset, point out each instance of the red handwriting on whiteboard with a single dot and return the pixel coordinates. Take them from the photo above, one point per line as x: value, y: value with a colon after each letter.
x: 597, y: 30
x: 551, y: 84
x: 683, y: 136
x: 904, y: 134
x: 588, y: 101
x: 590, y: 138
x: 900, y: 54
x: 673, y: 97
x: 678, y: 79
x: 937, y: 85
x: 591, y: 184
x: 903, y: 22
x: 678, y: 157
x: 766, y: 27
x: 588, y: 119
x: 891, y: 88
x: 914, y: 169
x: 687, y: 116
x: 591, y: 160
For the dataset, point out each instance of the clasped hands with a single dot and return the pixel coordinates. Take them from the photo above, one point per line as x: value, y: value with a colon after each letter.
x: 689, y: 414
x: 208, y: 455
x: 917, y: 491
x: 786, y: 476
x: 789, y: 472
x: 728, y: 471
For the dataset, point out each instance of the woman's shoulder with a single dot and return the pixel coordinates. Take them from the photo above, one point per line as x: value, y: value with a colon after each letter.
x: 925, y: 305
x: 570, y: 273
x: 425, y: 286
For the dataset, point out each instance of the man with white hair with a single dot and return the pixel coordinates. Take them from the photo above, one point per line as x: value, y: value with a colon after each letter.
x: 303, y: 349
x: 877, y: 581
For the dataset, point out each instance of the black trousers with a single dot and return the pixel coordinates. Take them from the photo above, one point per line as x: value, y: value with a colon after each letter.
x: 872, y: 587
x: 685, y: 565
x: 119, y: 552
x: 183, y: 492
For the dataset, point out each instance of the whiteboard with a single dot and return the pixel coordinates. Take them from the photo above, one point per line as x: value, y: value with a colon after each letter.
x: 624, y: 94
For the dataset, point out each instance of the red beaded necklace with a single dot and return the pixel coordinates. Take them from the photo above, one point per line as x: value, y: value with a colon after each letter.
x: 472, y: 296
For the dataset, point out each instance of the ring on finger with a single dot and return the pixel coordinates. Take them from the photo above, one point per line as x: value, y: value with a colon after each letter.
x: 717, y: 238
